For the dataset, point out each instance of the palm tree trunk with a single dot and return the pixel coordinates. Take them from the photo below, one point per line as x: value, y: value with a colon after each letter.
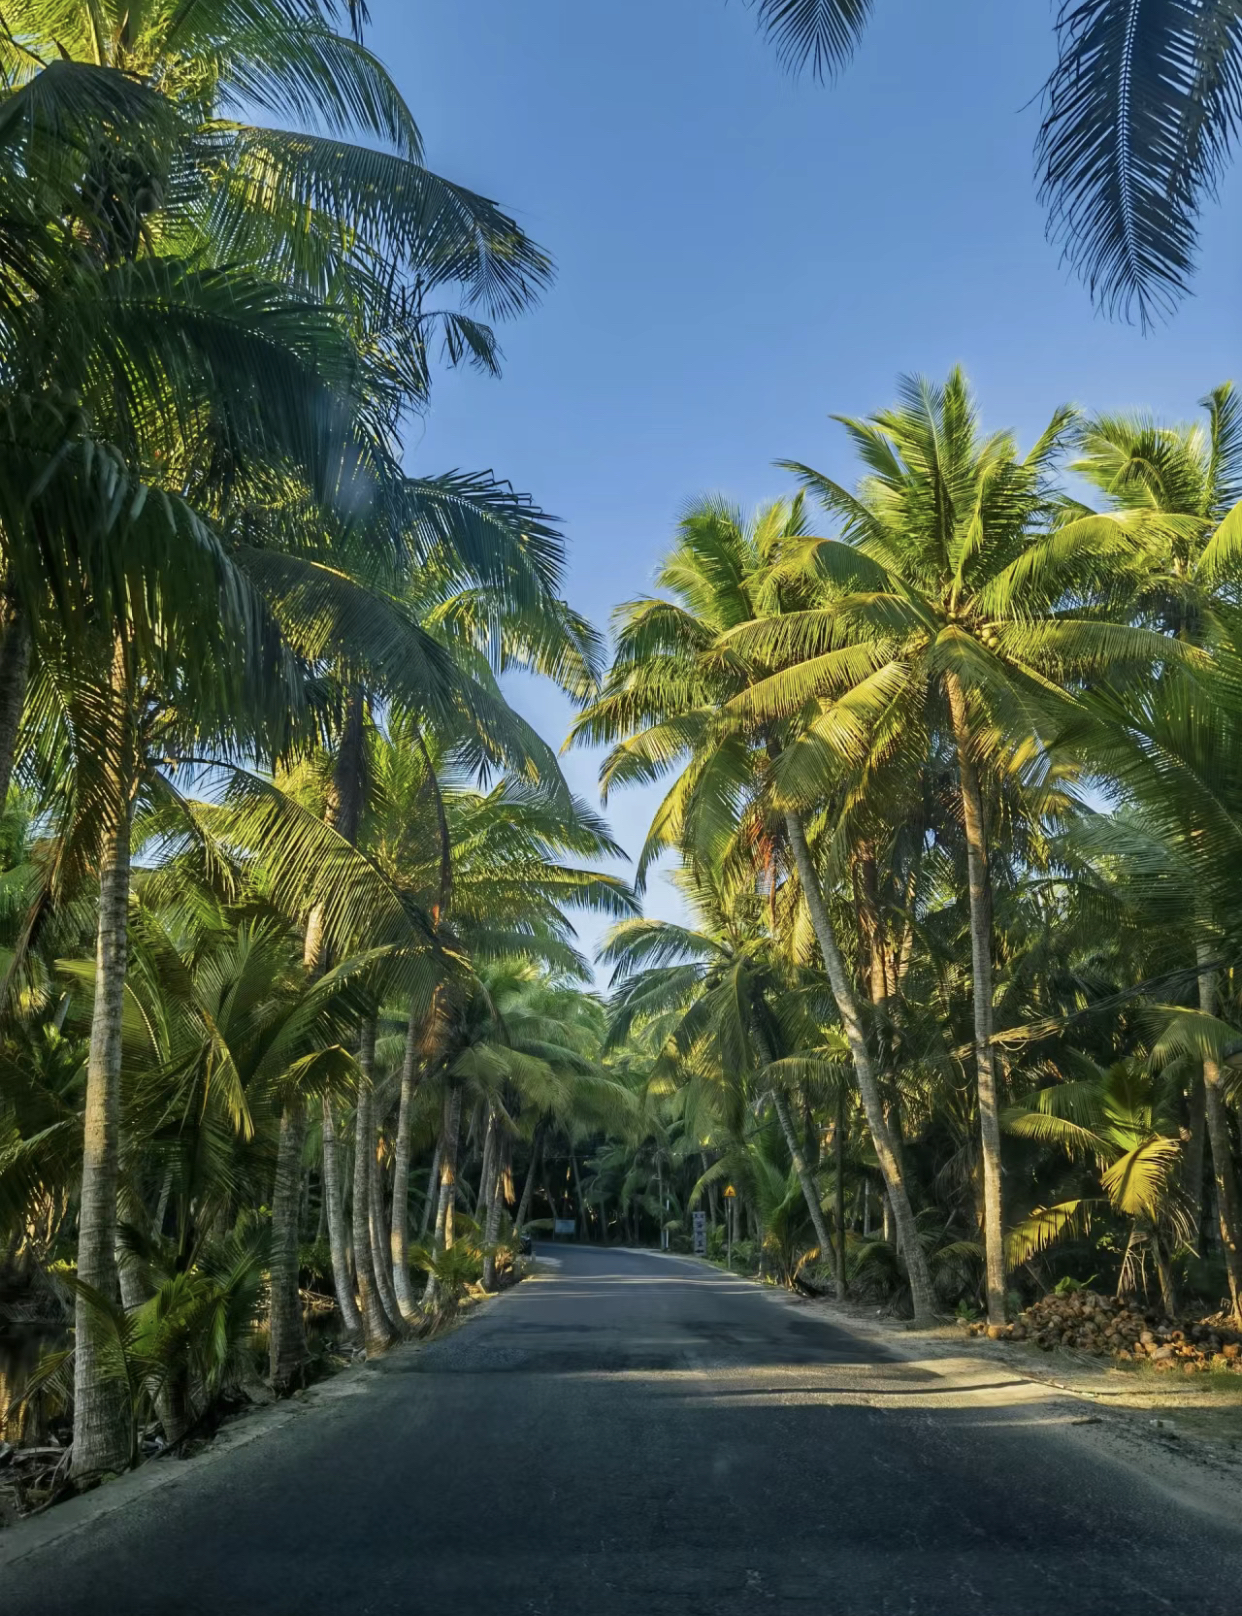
x: 377, y: 1331
x: 528, y: 1189
x: 979, y: 883
x: 873, y: 1107
x: 343, y: 813
x: 338, y: 1233
x: 1168, y: 1292
x: 449, y: 1142
x: 487, y: 1165
x: 809, y: 1195
x: 1192, y: 1160
x: 1227, y: 1200
x: 102, y: 1438
x: 286, y: 1332
x: 582, y: 1206
x: 432, y: 1198
x: 398, y: 1239
x: 380, y: 1227
x: 491, y: 1229
x: 14, y: 675
x: 660, y: 1200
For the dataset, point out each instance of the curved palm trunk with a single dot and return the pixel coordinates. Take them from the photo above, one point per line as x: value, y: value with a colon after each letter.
x: 528, y: 1189
x: 398, y: 1240
x: 286, y: 1332
x: 798, y: 1157
x: 981, y: 978
x: 338, y: 1234
x: 1192, y: 1158
x: 491, y: 1231
x: 809, y: 1194
x: 377, y: 1330
x: 102, y: 1438
x: 873, y: 1107
x: 1227, y: 1199
x: 380, y: 1256
x: 448, y: 1182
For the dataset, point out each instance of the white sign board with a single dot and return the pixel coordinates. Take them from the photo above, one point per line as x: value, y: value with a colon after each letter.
x: 700, y: 1233
x: 564, y: 1226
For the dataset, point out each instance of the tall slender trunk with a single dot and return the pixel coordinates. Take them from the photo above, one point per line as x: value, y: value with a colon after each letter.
x: 1223, y: 1174
x: 286, y: 1332
x: 102, y: 1435
x: 809, y: 1192
x: 380, y: 1224
x: 14, y: 676
x: 810, y: 1195
x: 377, y: 1330
x: 660, y: 1200
x: 839, y: 1203
x: 528, y: 1189
x: 495, y: 1206
x: 449, y: 1142
x: 578, y: 1196
x: 343, y: 812
x: 338, y: 1232
x: 851, y: 1021
x: 1192, y: 1159
x: 1168, y: 1291
x: 398, y: 1238
x: 487, y: 1165
x: 979, y: 883
x: 432, y: 1198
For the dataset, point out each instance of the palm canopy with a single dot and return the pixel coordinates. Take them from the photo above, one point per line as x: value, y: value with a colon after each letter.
x: 366, y: 223
x: 956, y: 572
x: 1116, y: 1118
x: 1190, y: 475
x: 664, y: 705
x: 1140, y: 116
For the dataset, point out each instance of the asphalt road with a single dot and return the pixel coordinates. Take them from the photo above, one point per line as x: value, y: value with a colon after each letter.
x: 628, y: 1435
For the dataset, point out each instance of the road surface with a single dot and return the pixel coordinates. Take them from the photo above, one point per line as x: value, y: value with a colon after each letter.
x: 628, y: 1435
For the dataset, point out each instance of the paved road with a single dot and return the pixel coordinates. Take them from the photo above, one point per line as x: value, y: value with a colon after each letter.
x: 629, y: 1435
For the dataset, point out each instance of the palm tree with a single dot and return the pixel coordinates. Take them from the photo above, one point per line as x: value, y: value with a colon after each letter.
x: 1113, y: 1117
x: 672, y: 699
x: 1191, y: 477
x: 956, y: 605
x: 722, y: 1011
x: 1140, y: 115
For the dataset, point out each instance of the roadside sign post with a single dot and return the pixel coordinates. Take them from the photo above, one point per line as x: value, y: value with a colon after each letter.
x: 730, y: 1203
x: 700, y: 1233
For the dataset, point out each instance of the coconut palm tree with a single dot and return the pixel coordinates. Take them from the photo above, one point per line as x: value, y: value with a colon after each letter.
x: 958, y: 603
x: 1114, y: 1118
x: 722, y: 1010
x: 675, y: 699
x: 1191, y: 476
x: 1140, y: 116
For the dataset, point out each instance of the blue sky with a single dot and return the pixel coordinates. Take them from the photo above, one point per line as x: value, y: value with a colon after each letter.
x: 740, y: 256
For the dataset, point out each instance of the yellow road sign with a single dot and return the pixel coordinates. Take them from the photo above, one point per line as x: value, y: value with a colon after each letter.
x: 730, y: 1192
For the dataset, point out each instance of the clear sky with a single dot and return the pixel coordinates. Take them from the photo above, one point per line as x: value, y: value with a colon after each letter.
x: 740, y: 256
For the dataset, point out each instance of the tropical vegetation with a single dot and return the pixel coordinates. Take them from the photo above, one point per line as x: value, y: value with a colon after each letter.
x: 1140, y: 116
x: 297, y: 1039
